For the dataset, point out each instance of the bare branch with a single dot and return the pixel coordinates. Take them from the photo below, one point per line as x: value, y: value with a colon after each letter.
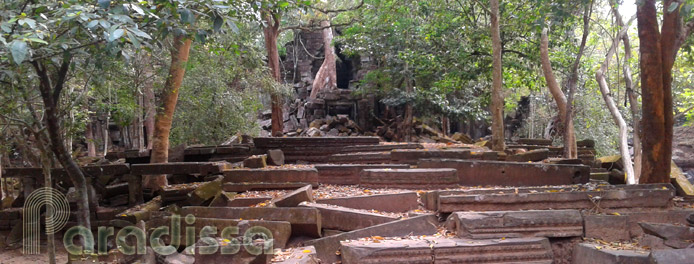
x: 328, y: 11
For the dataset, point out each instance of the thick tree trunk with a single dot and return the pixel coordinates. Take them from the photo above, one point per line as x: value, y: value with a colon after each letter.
x: 271, y: 32
x: 631, y: 95
x: 326, y: 78
x: 616, y: 115
x: 656, y: 161
x: 50, y: 96
x: 498, y: 138
x: 164, y: 117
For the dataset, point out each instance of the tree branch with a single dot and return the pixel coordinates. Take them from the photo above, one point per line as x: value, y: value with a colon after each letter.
x: 312, y: 28
x: 62, y: 74
x: 328, y: 11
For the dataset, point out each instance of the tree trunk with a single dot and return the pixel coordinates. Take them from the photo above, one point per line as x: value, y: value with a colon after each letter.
x: 148, y: 101
x: 89, y: 134
x: 326, y: 78
x: 656, y: 161
x: 164, y: 117
x: 498, y: 142
x: 406, y: 128
x: 633, y: 100
x: 271, y: 32
x: 559, y: 97
x: 50, y: 96
x: 616, y: 115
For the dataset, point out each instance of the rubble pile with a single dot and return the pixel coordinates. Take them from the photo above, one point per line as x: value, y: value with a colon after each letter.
x: 424, y: 203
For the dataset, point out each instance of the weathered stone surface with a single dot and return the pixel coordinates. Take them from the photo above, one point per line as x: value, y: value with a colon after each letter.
x: 348, y: 174
x: 668, y: 232
x: 533, y: 155
x: 275, y: 157
x: 273, y: 176
x: 223, y: 199
x: 446, y: 250
x: 415, y: 226
x: 674, y: 216
x: 535, y: 141
x: 409, y: 178
x: 262, y: 186
x: 201, y: 168
x: 247, y: 201
x: 280, y: 230
x: 430, y: 199
x: 314, y: 149
x: 205, y: 192
x: 607, y: 227
x: 360, y: 158
x: 301, y: 255
x: 626, y: 197
x: 347, y: 219
x: 396, y: 202
x: 491, y: 173
x: 667, y: 256
x: 412, y: 156
x: 178, y: 258
x: 513, y: 224
x: 305, y: 221
x: 293, y: 199
x: 585, y: 253
x: 255, y: 162
x: 242, y: 256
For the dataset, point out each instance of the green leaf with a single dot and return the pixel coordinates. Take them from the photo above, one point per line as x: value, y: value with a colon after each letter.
x: 672, y: 7
x: 134, y: 40
x: 139, y: 33
x: 283, y: 4
x: 37, y: 40
x: 218, y: 22
x: 27, y: 21
x: 116, y: 34
x: 186, y: 16
x: 19, y: 51
x: 104, y: 3
x: 92, y: 23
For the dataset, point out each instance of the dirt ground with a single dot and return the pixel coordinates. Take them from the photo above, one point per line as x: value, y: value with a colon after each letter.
x: 12, y: 254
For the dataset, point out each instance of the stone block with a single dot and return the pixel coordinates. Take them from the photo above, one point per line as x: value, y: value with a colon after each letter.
x: 607, y: 227
x: 262, y: 186
x: 514, y: 224
x: 585, y: 253
x: 305, y: 221
x: 533, y: 155
x: 273, y: 176
x: 293, y: 199
x: 347, y: 219
x: 348, y: 174
x: 666, y: 256
x: 360, y: 158
x: 412, y: 156
x: 409, y: 178
x: 396, y: 202
x: 275, y: 157
x: 247, y: 201
x: 255, y: 162
x: 300, y: 255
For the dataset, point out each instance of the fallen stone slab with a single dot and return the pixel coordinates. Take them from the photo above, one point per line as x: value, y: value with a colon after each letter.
x: 305, y: 221
x: 533, y: 155
x: 623, y: 224
x: 303, y: 175
x: 282, y: 142
x: 409, y: 178
x: 347, y: 219
x: 205, y: 192
x: 293, y: 199
x: 240, y: 256
x: 415, y: 226
x: 275, y: 157
x: 248, y: 201
x: 535, y: 141
x: 666, y: 256
x: 499, y: 173
x: 447, y: 250
x: 412, y: 156
x: 255, y: 162
x: 262, y: 186
x: 585, y: 253
x: 300, y: 255
x: 360, y: 158
x: 280, y: 230
x: 396, y: 202
x: 514, y: 224
x: 198, y: 168
x: 430, y: 199
x: 222, y: 199
x: 668, y: 231
x: 646, y: 196
x: 348, y: 174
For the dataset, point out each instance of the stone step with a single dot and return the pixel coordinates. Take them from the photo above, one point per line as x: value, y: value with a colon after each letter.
x: 347, y: 219
x: 535, y: 141
x: 261, y: 186
x: 646, y: 196
x: 305, y: 221
x: 283, y: 142
x: 396, y: 202
x: 415, y: 226
x: 623, y: 224
x: 201, y: 168
x: 412, y: 156
x: 360, y: 158
x: 348, y: 174
x: 499, y: 173
x: 533, y: 155
x: 273, y: 175
x: 379, y: 148
x: 514, y: 224
x: 409, y: 178
x: 448, y: 250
